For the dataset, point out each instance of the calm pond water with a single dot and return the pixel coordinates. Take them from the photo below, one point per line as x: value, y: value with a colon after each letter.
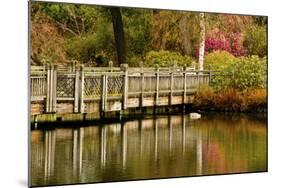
x: 153, y: 147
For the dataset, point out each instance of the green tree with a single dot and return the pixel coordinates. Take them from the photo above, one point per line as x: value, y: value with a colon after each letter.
x: 255, y: 40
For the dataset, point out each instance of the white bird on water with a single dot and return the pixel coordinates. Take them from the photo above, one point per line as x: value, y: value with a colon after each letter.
x: 194, y: 115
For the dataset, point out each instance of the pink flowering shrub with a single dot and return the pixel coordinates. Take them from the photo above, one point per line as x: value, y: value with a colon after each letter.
x: 219, y: 41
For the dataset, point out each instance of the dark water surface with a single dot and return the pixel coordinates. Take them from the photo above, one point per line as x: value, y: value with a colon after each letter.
x: 154, y: 147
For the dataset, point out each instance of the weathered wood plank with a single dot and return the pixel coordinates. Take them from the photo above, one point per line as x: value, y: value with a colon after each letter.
x: 65, y: 107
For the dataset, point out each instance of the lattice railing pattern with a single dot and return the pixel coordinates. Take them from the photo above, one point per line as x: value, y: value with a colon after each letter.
x: 92, y: 87
x: 115, y: 85
x: 65, y: 86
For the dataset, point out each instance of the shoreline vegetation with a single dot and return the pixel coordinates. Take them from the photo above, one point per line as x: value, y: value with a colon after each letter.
x: 240, y: 85
x: 231, y: 100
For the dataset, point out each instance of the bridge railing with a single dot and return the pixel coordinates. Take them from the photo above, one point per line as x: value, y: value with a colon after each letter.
x: 52, y: 85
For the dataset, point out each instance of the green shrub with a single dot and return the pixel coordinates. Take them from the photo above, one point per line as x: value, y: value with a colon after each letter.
x: 218, y: 59
x: 250, y: 73
x: 166, y: 59
x: 240, y: 73
x: 134, y: 61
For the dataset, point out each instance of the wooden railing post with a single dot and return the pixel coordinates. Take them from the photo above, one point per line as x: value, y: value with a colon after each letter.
x: 104, y: 93
x: 157, y: 85
x: 142, y: 84
x: 54, y: 96
x: 184, y: 85
x: 51, y: 89
x: 171, y: 85
x: 124, y: 68
x: 110, y: 65
x: 76, y: 90
x: 82, y: 89
x: 48, y: 98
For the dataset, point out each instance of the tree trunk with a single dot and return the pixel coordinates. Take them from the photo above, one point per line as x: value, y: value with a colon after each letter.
x: 185, y: 35
x: 118, y: 34
x: 202, y: 42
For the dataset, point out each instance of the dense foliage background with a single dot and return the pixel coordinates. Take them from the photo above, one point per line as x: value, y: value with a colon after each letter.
x: 61, y: 33
x: 235, y: 45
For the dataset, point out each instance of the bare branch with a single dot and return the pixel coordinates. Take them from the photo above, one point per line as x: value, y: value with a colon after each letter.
x: 63, y: 26
x: 75, y: 20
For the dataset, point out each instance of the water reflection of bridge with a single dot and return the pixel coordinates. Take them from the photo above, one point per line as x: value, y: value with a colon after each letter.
x: 121, y: 143
x: 163, y: 146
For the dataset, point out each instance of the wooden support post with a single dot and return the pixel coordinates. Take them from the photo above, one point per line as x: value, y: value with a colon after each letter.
x: 82, y: 89
x: 184, y: 86
x: 110, y: 65
x: 104, y: 93
x: 76, y: 92
x: 54, y: 97
x: 157, y: 85
x: 171, y: 85
x: 51, y: 88
x: 48, y: 89
x: 142, y: 85
x: 125, y: 84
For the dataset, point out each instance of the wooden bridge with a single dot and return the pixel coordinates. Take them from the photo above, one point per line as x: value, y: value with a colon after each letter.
x: 86, y: 90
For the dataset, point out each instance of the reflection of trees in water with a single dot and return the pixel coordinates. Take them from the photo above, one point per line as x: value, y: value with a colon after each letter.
x: 234, y: 143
